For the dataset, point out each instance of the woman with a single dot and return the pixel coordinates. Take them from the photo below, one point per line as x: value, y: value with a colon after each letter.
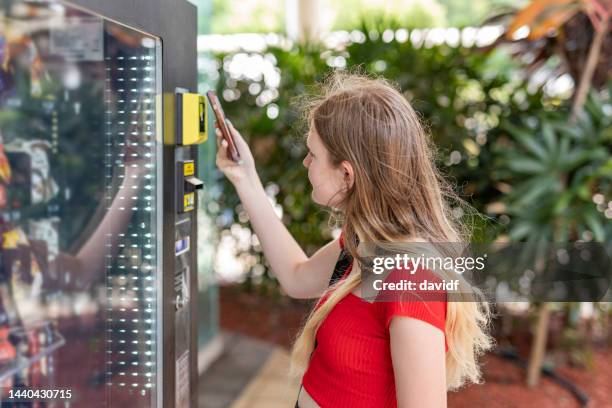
x: 369, y: 158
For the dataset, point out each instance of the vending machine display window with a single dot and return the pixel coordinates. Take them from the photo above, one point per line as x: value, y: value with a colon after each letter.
x: 80, y: 206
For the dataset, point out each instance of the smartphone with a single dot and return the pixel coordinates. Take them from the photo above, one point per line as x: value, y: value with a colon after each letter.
x: 232, y: 152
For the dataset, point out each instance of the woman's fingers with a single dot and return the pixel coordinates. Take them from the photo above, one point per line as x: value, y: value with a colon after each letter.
x: 222, y: 159
x: 219, y: 137
x: 240, y: 143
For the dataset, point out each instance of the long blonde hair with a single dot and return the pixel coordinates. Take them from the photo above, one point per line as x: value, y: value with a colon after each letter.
x: 397, y: 193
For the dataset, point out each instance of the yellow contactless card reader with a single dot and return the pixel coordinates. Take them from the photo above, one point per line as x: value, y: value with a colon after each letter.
x: 186, y: 119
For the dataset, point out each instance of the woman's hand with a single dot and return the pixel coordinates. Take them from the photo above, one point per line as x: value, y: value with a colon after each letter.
x: 236, y: 173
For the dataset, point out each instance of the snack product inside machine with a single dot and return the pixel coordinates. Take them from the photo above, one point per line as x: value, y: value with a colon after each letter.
x: 98, y: 138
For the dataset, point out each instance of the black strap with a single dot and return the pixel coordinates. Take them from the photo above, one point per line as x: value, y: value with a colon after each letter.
x: 342, y: 264
x: 344, y: 261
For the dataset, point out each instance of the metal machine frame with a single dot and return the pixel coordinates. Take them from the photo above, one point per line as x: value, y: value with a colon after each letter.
x: 175, y: 23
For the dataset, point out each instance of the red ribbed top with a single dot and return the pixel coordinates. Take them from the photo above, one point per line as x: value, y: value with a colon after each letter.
x: 351, y: 365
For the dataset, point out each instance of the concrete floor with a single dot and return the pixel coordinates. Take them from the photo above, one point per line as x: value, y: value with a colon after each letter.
x: 248, y: 373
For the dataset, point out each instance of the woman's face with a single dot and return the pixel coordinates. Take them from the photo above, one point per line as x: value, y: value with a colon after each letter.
x: 328, y: 182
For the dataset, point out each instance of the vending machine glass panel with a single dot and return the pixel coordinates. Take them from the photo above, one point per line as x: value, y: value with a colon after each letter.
x: 80, y: 200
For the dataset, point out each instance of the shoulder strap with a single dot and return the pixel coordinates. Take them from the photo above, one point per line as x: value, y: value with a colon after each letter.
x: 342, y: 264
x: 344, y: 261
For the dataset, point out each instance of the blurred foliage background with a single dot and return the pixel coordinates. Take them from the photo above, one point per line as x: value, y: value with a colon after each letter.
x: 521, y: 123
x: 264, y: 16
x: 481, y: 107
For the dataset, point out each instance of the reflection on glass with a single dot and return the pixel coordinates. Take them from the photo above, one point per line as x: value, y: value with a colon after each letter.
x: 78, y: 190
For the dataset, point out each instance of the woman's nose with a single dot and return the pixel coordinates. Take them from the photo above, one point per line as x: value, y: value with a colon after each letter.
x: 306, y: 162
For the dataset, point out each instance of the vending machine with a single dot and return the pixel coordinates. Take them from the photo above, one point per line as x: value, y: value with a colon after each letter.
x: 99, y: 130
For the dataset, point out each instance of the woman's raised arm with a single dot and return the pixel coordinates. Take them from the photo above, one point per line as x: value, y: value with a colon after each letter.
x: 299, y: 275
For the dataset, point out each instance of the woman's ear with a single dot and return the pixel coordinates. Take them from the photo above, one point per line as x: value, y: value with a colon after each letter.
x: 348, y: 175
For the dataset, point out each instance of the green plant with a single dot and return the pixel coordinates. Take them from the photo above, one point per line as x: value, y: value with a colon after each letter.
x: 576, y: 32
x: 556, y: 168
x: 559, y: 171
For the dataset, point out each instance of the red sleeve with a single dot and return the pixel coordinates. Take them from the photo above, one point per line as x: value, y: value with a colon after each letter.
x: 427, y: 306
x: 432, y: 312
